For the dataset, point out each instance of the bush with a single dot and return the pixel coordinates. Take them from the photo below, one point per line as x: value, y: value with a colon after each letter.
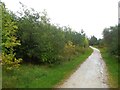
x: 43, y: 42
x: 9, y: 40
x: 111, y: 39
x: 69, y: 50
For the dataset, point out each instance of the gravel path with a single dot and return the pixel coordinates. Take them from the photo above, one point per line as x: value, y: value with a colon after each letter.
x: 90, y: 74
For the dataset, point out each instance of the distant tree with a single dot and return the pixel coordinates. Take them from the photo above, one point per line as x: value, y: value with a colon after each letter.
x: 93, y: 41
x: 101, y: 43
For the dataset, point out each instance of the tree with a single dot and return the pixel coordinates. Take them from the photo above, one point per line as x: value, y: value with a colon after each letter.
x: 93, y: 41
x: 9, y: 40
x: 43, y: 42
x: 110, y: 37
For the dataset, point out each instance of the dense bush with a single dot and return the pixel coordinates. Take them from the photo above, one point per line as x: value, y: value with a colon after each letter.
x: 69, y: 50
x: 41, y: 41
x: 9, y: 40
x: 110, y: 37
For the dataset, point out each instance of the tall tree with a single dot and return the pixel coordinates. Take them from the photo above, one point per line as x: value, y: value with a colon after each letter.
x: 9, y: 40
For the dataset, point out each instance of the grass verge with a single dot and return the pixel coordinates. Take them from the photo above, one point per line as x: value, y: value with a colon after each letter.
x: 112, y: 68
x: 35, y: 76
x: 0, y: 76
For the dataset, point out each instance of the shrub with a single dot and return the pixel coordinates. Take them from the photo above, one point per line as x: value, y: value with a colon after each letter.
x: 9, y: 40
x: 69, y: 50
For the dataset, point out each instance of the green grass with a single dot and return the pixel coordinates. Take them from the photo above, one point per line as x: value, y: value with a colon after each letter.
x: 0, y: 76
x: 112, y: 68
x: 0, y: 73
x: 35, y: 76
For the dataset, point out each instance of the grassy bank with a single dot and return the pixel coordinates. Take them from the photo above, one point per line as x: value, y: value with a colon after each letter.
x: 112, y: 67
x: 35, y: 76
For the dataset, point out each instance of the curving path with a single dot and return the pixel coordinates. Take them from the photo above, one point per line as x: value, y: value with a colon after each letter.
x: 90, y: 74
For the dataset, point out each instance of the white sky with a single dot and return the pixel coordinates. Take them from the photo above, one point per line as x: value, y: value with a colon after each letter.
x: 90, y: 15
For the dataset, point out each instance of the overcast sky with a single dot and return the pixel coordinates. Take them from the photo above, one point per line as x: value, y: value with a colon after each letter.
x: 90, y: 15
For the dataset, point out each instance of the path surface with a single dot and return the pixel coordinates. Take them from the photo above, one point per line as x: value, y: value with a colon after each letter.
x: 90, y: 74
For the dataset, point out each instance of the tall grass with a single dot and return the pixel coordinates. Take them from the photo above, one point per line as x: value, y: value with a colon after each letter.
x: 35, y: 76
x: 112, y: 67
x: 0, y: 76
